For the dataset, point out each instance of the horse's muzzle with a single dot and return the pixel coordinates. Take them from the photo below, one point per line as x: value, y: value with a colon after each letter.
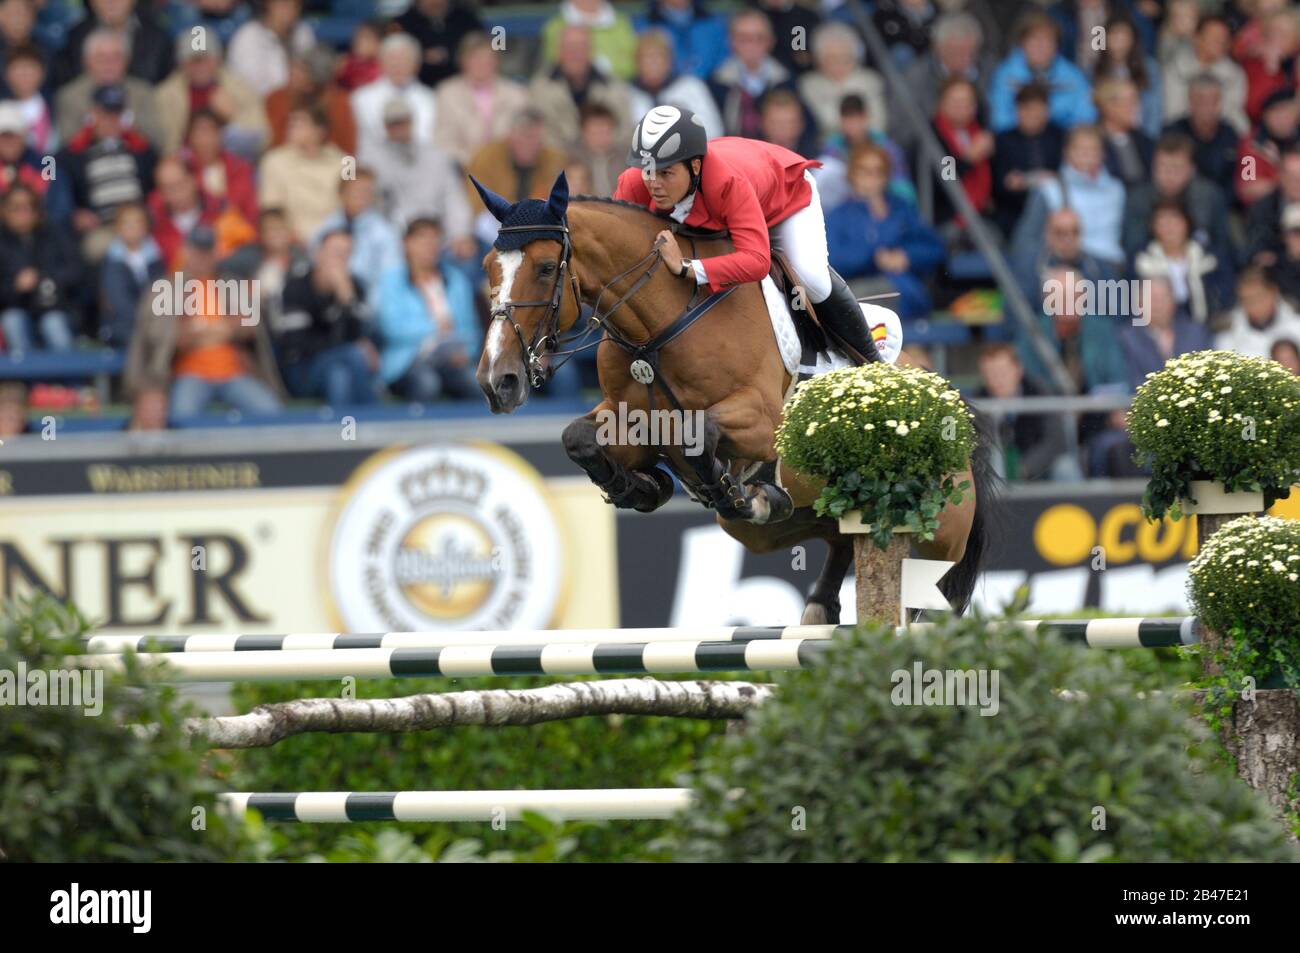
x: 505, y: 391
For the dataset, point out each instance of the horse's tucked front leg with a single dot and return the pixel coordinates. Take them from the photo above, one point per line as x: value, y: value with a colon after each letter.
x: 733, y: 500
x: 627, y: 475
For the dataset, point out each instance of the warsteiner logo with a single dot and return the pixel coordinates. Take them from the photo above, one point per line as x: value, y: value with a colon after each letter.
x: 456, y: 537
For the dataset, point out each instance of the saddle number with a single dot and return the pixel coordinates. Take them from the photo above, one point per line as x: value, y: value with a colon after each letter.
x: 642, y: 372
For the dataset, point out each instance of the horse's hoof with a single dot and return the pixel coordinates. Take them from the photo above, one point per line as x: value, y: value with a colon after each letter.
x: 814, y: 613
x: 663, y: 490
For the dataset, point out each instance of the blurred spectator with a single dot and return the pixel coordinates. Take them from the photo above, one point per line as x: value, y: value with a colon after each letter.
x: 855, y: 130
x: 321, y: 335
x: 1178, y: 31
x: 477, y: 105
x: 1209, y: 54
x: 740, y: 83
x: 1173, y: 176
x: 1031, y: 444
x: 1287, y: 353
x: 302, y: 176
x: 1286, y: 270
x: 438, y: 26
x: 360, y: 65
x: 178, y: 207
x: 1025, y: 156
x: 699, y: 38
x: 1263, y: 241
x: 874, y: 234
x: 1087, y: 344
x: 785, y: 123
x: 1215, y: 141
x: 427, y: 323
x: 956, y: 50
x: 1084, y: 22
x: 19, y: 163
x: 107, y: 165
x: 792, y: 24
x: 1261, y: 152
x: 613, y: 41
x: 1128, y: 148
x: 416, y: 182
x: 17, y: 18
x: 837, y: 51
x: 599, y: 150
x: 261, y: 48
x: 24, y: 75
x: 1272, y: 66
x: 1059, y: 247
x: 104, y: 59
x: 39, y: 274
x: 1200, y: 285
x: 13, y: 408
x: 1037, y: 59
x: 149, y: 45
x: 222, y: 176
x: 131, y: 265
x: 148, y: 410
x: 311, y: 83
x: 1262, y: 316
x: 560, y: 92
x: 520, y: 166
x: 206, y: 351
x: 1083, y: 184
x: 221, y: 17
x: 1165, y: 334
x: 375, y: 246
x: 578, y: 176
x: 271, y: 261
x: 1124, y: 58
x: 905, y: 26
x: 656, y: 84
x: 970, y: 146
x: 201, y: 82
x: 399, y: 57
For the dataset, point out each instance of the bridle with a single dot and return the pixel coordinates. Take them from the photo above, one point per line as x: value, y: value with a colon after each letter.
x: 546, y: 335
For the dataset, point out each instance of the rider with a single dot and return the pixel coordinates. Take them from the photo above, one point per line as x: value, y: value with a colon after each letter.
x: 759, y: 192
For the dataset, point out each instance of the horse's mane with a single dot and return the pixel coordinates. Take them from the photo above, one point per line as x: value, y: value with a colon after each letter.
x: 655, y: 219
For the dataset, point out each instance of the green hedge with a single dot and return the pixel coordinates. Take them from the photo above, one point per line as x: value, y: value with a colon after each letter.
x: 869, y: 779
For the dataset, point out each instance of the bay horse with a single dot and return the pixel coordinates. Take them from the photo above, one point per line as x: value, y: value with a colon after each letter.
x: 657, y: 349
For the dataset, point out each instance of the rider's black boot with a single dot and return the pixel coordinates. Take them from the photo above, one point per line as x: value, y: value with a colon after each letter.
x: 841, y: 315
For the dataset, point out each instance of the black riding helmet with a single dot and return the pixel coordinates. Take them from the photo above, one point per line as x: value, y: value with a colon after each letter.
x: 665, y: 136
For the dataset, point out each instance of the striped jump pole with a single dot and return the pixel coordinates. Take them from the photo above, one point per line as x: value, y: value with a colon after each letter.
x: 327, y: 641
x: 1096, y: 633
x: 564, y: 658
x: 334, y: 807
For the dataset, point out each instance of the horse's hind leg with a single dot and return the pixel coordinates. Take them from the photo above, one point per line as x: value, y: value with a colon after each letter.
x: 627, y: 475
x: 823, y: 605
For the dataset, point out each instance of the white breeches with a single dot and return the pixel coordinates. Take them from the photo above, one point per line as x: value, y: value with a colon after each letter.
x: 802, y: 239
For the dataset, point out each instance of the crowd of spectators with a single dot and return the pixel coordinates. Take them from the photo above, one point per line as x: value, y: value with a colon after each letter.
x: 320, y: 148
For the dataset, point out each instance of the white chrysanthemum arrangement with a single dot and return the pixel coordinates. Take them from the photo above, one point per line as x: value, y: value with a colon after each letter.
x: 1245, y: 583
x: 1220, y: 416
x: 886, y: 439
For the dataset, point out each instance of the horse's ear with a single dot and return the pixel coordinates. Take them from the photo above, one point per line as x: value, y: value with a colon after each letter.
x: 496, y: 204
x: 558, y: 203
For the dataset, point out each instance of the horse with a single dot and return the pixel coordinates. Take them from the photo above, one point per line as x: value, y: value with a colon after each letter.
x: 661, y: 346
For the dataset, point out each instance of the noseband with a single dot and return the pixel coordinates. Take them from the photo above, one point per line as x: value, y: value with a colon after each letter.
x: 547, y: 334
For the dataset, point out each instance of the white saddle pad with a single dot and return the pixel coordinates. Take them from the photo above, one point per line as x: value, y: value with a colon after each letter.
x: 885, y: 327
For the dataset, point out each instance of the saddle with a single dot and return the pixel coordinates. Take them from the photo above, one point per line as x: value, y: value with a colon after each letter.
x: 813, y: 337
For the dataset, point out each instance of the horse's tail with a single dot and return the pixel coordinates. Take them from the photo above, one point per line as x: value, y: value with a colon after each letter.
x: 959, y: 584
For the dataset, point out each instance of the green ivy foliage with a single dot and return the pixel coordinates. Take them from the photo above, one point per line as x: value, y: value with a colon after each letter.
x: 833, y: 770
x: 1216, y: 415
x: 79, y: 787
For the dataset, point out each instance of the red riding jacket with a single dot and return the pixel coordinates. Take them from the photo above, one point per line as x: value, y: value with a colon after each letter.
x: 746, y: 187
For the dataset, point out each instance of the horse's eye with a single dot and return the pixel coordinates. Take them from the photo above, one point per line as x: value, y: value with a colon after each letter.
x: 546, y: 268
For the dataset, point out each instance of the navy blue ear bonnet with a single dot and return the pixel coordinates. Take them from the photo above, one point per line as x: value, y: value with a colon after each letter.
x: 547, y: 216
